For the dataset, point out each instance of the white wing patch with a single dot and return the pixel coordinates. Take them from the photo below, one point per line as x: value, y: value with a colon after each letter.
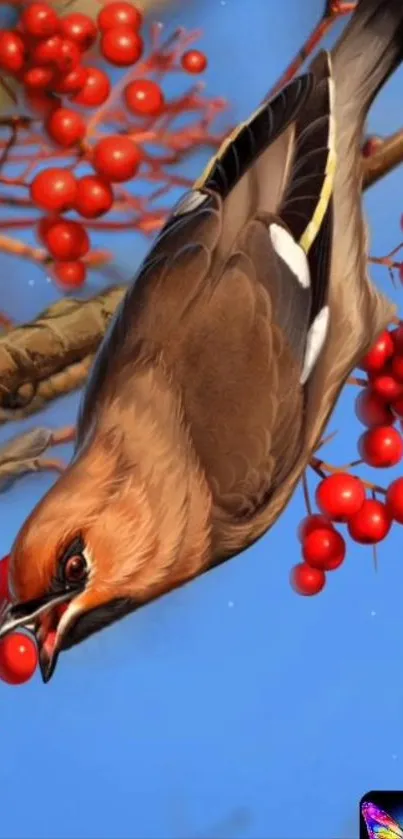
x: 189, y: 202
x: 291, y: 253
x: 314, y: 342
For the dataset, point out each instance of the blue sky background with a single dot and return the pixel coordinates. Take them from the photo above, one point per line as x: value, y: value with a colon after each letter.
x: 232, y: 707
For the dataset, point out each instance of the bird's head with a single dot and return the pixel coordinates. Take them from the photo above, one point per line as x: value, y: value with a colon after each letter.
x: 87, y: 555
x: 128, y: 521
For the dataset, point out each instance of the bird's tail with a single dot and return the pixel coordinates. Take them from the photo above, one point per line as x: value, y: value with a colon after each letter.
x: 369, y: 50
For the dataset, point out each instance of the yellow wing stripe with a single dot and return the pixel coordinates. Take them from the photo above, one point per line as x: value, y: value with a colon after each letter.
x: 311, y: 231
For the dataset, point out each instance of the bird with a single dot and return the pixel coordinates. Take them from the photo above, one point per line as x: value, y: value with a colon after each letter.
x: 221, y: 367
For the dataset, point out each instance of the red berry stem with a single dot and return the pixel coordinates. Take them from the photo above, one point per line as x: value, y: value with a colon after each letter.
x: 357, y: 381
x: 322, y: 469
x: 342, y: 497
x: 73, y: 107
x: 388, y: 259
x: 305, y: 489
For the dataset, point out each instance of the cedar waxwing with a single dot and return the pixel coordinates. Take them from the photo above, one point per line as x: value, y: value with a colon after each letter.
x: 225, y: 360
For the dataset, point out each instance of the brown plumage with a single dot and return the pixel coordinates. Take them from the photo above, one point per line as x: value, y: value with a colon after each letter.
x: 225, y: 360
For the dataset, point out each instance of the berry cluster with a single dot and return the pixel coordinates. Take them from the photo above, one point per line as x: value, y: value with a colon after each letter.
x: 18, y: 651
x: 46, y: 55
x: 343, y: 498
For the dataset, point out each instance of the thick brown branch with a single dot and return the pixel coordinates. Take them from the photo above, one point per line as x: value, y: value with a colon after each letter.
x: 387, y: 157
x: 52, y: 355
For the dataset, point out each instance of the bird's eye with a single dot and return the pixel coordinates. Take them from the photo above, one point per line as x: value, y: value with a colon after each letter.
x: 75, y: 569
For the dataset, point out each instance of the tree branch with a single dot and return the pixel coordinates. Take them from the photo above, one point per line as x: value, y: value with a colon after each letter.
x: 25, y: 453
x: 386, y: 158
x: 52, y: 355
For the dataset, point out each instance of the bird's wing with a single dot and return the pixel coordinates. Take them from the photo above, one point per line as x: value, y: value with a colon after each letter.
x: 234, y: 322
x: 202, y: 225
x: 245, y: 145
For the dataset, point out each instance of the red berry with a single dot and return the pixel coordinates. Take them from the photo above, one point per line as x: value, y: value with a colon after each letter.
x: 4, y: 589
x: 397, y: 408
x: 311, y: 523
x: 69, y: 275
x: 94, y: 197
x: 119, y: 14
x: 71, y: 82
x: 116, y: 158
x: 381, y: 447
x: 325, y: 549
x: 143, y: 96
x: 41, y: 102
x: 66, y: 240
x: 12, y: 52
x: 69, y: 56
x: 371, y: 410
x: 121, y: 46
x: 394, y: 500
x: 18, y: 658
x: 371, y: 524
x: 38, y: 78
x: 66, y: 127
x: 397, y: 338
x: 397, y: 367
x: 379, y: 354
x: 43, y: 226
x: 80, y: 29
x: 386, y: 387
x: 340, y: 496
x: 54, y: 190
x: 59, y: 52
x: 306, y: 580
x: 194, y: 61
x: 39, y: 20
x: 95, y: 90
x: 47, y: 51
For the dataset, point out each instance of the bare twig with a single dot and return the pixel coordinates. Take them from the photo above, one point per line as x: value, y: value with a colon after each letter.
x: 24, y: 454
x: 357, y: 381
x: 334, y: 9
x: 305, y: 489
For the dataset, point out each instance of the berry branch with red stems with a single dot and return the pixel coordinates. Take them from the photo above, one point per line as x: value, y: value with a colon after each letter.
x: 97, y: 140
x: 46, y: 56
x: 333, y: 11
x: 346, y: 499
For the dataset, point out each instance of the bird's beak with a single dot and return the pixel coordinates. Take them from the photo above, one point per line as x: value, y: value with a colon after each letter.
x: 49, y: 639
x: 40, y: 616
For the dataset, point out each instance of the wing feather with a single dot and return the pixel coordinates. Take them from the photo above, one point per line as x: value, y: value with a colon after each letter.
x: 247, y: 142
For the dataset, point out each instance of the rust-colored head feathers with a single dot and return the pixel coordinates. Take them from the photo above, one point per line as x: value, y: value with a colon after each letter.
x: 224, y: 361
x: 118, y: 528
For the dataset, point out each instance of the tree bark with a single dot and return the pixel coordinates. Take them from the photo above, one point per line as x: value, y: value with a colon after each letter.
x: 52, y: 355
